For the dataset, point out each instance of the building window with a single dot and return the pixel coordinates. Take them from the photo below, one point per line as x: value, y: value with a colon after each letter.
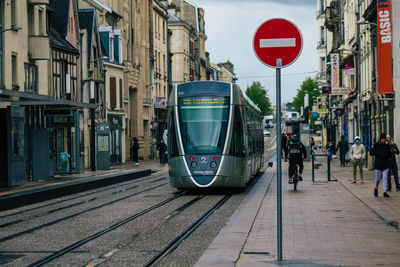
x: 63, y: 77
x: 41, y: 23
x: 146, y: 128
x: 13, y: 7
x: 121, y: 94
x: 31, y: 78
x: 322, y: 30
x: 113, y: 93
x: 31, y: 20
x: 107, y: 42
x: 14, y: 70
x: 323, y: 65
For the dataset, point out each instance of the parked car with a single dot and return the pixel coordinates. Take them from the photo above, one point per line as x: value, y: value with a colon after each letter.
x: 267, y: 133
x: 318, y: 133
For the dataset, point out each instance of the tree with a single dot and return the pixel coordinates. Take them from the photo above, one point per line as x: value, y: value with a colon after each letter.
x: 309, y: 86
x: 259, y: 95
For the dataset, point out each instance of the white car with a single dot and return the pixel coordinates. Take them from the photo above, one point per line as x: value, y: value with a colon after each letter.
x: 267, y: 133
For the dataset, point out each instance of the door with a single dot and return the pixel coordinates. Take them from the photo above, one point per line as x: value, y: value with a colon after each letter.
x: 40, y: 154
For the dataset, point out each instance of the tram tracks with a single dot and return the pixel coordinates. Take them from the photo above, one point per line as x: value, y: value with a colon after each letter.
x: 53, y: 203
x: 92, y: 237
x: 160, y: 254
x: 178, y: 240
x: 36, y: 228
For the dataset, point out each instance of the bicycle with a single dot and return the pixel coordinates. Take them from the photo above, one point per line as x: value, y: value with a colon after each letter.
x: 295, y: 177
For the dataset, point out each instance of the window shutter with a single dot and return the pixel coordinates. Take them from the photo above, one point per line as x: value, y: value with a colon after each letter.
x: 113, y: 92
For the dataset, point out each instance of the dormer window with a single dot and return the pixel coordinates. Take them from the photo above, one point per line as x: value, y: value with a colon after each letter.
x: 117, y: 47
x: 111, y: 44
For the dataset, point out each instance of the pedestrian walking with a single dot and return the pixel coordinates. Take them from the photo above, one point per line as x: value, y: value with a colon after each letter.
x: 357, y: 155
x: 381, y: 151
x: 162, y: 148
x: 393, y: 165
x: 136, y: 151
x: 343, y: 147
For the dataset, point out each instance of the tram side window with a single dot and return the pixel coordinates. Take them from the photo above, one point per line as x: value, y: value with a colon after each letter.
x: 237, y: 148
x: 172, y: 141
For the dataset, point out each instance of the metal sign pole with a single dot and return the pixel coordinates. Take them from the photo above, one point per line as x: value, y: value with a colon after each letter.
x: 279, y: 161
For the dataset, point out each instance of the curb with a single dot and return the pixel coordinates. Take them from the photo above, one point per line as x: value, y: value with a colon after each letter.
x: 23, y: 198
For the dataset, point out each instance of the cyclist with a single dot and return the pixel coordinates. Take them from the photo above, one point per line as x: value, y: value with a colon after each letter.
x: 297, y: 152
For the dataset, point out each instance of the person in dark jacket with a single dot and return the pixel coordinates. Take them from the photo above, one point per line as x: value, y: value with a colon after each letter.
x: 381, y: 151
x: 297, y: 152
x: 135, y: 149
x: 284, y: 146
x: 393, y: 165
x: 162, y: 148
x: 343, y: 147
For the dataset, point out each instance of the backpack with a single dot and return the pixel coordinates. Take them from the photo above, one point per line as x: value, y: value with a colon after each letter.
x: 294, y: 148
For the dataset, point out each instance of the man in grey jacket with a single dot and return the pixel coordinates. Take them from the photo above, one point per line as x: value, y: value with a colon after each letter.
x: 357, y: 154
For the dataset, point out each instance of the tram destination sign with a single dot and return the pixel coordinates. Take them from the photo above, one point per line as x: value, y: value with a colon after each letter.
x: 277, y: 43
x: 206, y: 100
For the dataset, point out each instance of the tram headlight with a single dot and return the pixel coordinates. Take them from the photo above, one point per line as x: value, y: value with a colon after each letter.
x: 193, y: 164
x: 213, y: 164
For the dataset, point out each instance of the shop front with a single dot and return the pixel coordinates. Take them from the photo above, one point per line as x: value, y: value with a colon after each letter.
x: 12, y: 147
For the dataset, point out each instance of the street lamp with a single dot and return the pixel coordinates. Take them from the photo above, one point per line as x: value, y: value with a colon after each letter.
x: 348, y: 50
x: 13, y: 28
x: 92, y: 116
x: 366, y: 22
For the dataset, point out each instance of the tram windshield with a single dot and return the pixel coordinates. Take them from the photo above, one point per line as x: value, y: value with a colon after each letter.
x: 203, y: 123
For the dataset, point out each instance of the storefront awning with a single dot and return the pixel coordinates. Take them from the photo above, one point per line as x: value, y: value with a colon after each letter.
x: 55, y: 102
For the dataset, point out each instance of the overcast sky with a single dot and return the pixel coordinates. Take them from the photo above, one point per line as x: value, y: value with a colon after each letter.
x: 231, y: 24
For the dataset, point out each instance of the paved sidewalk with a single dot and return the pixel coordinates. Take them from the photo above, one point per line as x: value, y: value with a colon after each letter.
x: 324, y: 224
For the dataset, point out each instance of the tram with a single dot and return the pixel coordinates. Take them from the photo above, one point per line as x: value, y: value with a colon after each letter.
x: 215, y: 136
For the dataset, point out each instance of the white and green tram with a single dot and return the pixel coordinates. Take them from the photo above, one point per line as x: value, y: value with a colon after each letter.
x: 215, y: 136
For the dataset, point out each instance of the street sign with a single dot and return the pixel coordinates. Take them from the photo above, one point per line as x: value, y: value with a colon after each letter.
x: 326, y: 90
x: 340, y: 91
x: 322, y: 104
x: 277, y: 43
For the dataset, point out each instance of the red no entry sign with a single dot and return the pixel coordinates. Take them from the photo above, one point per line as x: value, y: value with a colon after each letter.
x: 277, y: 43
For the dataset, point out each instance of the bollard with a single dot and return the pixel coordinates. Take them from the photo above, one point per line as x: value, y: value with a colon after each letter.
x: 329, y: 168
x: 312, y: 162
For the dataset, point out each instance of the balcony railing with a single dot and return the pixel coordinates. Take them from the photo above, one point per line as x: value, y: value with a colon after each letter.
x: 31, y: 78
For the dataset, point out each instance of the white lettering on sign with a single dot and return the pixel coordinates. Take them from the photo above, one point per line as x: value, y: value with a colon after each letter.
x: 384, y: 26
x: 278, y: 42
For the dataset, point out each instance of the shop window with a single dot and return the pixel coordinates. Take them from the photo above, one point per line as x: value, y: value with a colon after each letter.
x: 17, y: 138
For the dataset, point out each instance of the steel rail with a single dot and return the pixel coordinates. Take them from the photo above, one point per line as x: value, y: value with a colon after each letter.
x: 102, y: 232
